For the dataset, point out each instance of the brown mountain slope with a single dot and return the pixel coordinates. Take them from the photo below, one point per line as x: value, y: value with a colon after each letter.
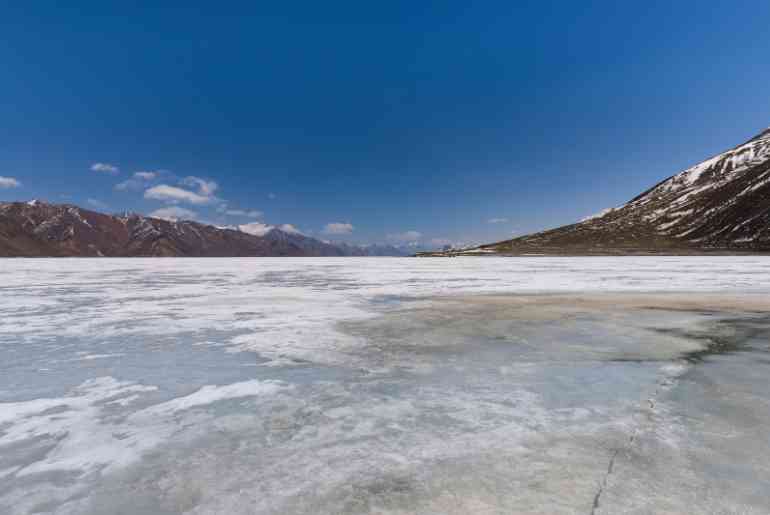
x: 721, y: 204
x: 41, y: 229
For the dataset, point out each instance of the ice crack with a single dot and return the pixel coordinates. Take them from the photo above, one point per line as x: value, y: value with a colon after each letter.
x: 631, y: 439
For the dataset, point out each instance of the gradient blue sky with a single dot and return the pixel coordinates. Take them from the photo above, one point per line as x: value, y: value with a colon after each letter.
x: 390, y: 116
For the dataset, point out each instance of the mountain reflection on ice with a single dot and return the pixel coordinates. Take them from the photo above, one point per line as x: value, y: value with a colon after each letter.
x: 543, y: 386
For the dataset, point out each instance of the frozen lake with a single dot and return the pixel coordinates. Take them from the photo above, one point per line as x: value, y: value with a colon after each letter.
x: 389, y: 386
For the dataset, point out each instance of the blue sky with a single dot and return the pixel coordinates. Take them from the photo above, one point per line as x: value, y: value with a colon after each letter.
x: 460, y: 121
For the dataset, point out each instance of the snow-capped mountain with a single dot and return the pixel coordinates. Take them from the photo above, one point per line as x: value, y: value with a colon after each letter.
x: 721, y: 204
x: 38, y: 228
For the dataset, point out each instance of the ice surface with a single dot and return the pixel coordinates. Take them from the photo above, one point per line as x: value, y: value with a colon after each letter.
x: 378, y: 385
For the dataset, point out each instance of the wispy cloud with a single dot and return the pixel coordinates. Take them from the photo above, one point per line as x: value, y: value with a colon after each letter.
x: 172, y: 194
x: 146, y: 176
x: 271, y: 196
x: 98, y: 204
x: 141, y: 180
x: 105, y: 168
x: 338, y: 228
x: 174, y: 213
x: 205, y: 188
x: 224, y: 209
x: 497, y: 220
x: 8, y: 183
x: 241, y: 212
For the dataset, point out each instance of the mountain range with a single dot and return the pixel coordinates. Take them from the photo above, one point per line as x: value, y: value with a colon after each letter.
x: 719, y: 205
x: 37, y: 229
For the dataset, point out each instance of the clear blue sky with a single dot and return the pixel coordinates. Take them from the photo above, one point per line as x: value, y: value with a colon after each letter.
x: 389, y: 116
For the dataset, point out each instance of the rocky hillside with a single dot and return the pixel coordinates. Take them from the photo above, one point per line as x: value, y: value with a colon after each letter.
x: 719, y: 205
x: 40, y: 229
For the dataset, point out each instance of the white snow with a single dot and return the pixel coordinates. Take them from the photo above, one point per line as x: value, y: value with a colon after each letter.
x: 674, y: 199
x: 212, y: 393
x: 470, y: 252
x: 726, y: 166
x: 89, y: 440
x: 602, y: 213
x: 256, y: 228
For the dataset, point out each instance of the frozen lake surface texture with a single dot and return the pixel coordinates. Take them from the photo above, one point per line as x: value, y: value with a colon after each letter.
x: 389, y: 386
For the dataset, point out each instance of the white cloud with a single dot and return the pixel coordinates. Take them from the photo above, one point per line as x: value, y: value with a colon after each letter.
x: 405, y: 237
x: 174, y: 213
x: 271, y: 196
x: 497, y: 220
x: 98, y: 204
x: 338, y: 228
x: 289, y: 228
x: 173, y: 195
x: 8, y: 182
x: 139, y: 180
x: 105, y: 168
x: 205, y: 188
x: 253, y: 213
x: 224, y: 209
x: 256, y: 228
